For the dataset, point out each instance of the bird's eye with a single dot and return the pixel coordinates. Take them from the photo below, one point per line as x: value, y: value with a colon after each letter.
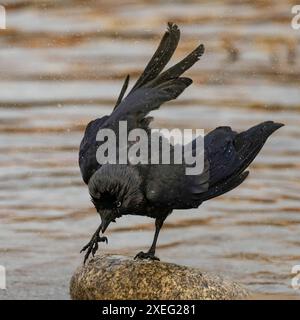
x: 118, y: 204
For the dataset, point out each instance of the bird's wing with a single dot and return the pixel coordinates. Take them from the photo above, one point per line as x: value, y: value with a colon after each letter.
x: 139, y: 103
x: 153, y: 88
x: 161, y: 57
x: 132, y: 110
x: 169, y: 186
x: 159, y: 60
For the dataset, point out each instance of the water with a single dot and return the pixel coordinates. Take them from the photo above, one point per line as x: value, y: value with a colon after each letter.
x: 62, y: 64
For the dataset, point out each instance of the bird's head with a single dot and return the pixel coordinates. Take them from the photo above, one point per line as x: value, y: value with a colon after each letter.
x: 115, y: 190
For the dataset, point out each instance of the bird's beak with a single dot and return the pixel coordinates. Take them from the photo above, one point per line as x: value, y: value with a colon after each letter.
x: 104, y: 224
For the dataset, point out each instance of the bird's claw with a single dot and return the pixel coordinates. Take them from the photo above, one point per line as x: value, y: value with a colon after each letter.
x: 146, y: 255
x: 92, y: 246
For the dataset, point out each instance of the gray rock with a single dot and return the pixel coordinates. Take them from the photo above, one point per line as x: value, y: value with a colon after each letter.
x: 119, y: 277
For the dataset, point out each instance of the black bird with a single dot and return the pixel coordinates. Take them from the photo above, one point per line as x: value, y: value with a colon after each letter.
x: 155, y: 190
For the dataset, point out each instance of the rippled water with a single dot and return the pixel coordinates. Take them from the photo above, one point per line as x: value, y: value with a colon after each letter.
x: 62, y: 64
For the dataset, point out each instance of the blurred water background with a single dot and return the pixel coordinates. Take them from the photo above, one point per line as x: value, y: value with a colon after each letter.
x: 62, y: 63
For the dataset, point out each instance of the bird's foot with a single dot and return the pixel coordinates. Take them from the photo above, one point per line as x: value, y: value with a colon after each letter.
x: 92, y: 246
x: 146, y: 255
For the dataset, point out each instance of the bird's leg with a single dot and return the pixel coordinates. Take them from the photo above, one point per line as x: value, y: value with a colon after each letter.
x: 151, y: 252
x: 92, y: 246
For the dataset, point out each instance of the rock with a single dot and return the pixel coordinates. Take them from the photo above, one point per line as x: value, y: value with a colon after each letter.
x: 120, y: 277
